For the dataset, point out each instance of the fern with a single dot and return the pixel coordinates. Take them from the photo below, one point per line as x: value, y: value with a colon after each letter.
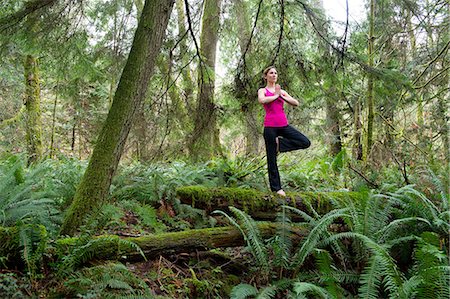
x: 316, y: 234
x: 111, y: 280
x: 267, y: 293
x: 243, y: 291
x: 304, y: 288
x: 254, y: 239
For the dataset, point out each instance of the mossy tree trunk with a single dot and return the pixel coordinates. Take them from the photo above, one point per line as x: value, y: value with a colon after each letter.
x: 130, y: 92
x: 204, y: 141
x: 32, y: 102
x: 247, y: 98
x: 357, y: 144
x: 370, y: 91
x: 261, y: 205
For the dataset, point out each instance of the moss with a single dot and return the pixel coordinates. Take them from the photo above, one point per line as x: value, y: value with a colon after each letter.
x: 251, y: 200
x: 33, y: 109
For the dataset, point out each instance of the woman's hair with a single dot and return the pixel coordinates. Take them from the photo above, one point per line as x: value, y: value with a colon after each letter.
x: 266, y: 70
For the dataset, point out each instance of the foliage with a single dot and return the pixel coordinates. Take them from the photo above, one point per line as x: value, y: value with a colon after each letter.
x: 111, y: 280
x: 372, y: 229
x: 10, y: 286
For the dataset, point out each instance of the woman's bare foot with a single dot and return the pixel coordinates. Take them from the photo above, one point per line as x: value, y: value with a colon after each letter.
x: 281, y: 192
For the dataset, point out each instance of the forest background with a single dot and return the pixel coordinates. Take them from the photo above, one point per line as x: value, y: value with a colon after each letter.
x: 168, y: 88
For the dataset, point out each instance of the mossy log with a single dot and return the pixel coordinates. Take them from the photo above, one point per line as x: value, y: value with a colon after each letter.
x: 261, y: 205
x: 173, y: 242
x: 112, y: 247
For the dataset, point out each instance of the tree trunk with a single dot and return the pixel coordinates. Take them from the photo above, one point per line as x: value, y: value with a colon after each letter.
x: 332, y: 93
x: 357, y: 145
x: 131, y: 91
x: 259, y: 203
x: 333, y: 126
x: 188, y: 84
x: 204, y: 143
x: 370, y: 100
x: 32, y: 102
x: 109, y: 247
x: 52, y: 138
x: 247, y: 98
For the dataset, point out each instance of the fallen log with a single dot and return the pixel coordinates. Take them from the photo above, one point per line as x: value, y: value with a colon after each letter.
x: 84, y: 249
x: 261, y: 205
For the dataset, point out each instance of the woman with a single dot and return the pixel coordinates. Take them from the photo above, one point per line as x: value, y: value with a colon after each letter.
x: 279, y: 136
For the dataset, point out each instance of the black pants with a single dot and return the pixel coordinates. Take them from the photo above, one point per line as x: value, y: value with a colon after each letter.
x: 291, y: 140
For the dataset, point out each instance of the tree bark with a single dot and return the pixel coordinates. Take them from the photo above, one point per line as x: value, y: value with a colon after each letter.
x: 370, y: 100
x: 32, y: 101
x: 204, y: 143
x: 131, y: 91
x: 188, y: 84
x: 357, y: 145
x: 246, y: 97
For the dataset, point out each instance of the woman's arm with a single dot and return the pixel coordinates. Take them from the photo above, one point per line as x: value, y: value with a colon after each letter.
x: 263, y: 99
x: 288, y: 99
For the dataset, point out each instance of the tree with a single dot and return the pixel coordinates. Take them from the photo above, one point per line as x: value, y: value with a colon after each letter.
x: 130, y: 92
x: 32, y: 101
x: 204, y: 140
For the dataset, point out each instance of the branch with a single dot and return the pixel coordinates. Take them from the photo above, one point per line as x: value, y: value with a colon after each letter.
x: 27, y: 9
x: 375, y: 185
x: 280, y: 37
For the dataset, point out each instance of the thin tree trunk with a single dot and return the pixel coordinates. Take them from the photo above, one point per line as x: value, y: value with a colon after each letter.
x: 52, y: 138
x: 370, y: 95
x: 357, y: 145
x: 248, y: 103
x: 204, y: 142
x: 332, y: 96
x: 333, y: 126
x: 32, y: 102
x: 131, y: 91
x: 188, y: 84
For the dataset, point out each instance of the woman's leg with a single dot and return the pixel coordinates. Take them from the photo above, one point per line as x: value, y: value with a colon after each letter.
x: 271, y: 153
x: 292, y: 140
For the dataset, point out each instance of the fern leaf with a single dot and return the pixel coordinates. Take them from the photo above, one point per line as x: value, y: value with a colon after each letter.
x: 304, y: 288
x: 243, y: 291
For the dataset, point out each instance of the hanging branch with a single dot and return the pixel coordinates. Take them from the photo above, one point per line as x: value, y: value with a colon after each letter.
x: 251, y: 34
x: 27, y: 9
x: 280, y: 37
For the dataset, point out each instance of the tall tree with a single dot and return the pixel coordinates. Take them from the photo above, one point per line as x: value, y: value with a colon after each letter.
x: 204, y: 141
x: 32, y: 103
x: 130, y: 92
x: 370, y: 99
x: 244, y: 95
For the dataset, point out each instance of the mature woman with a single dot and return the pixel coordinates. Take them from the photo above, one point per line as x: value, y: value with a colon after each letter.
x: 279, y: 136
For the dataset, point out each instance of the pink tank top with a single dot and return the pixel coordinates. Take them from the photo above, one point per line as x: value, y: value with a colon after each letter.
x: 275, y: 116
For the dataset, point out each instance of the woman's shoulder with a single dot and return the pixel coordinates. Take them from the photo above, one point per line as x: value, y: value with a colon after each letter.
x: 262, y: 89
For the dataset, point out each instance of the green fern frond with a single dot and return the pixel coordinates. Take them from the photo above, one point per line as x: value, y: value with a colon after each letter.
x: 302, y: 289
x: 268, y: 292
x: 326, y: 269
x: 370, y: 280
x: 317, y: 233
x: 282, y: 244
x: 301, y: 213
x: 243, y: 291
x: 254, y: 239
x: 392, y: 229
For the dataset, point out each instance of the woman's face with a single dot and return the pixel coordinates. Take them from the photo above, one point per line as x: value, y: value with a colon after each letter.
x: 272, y: 76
